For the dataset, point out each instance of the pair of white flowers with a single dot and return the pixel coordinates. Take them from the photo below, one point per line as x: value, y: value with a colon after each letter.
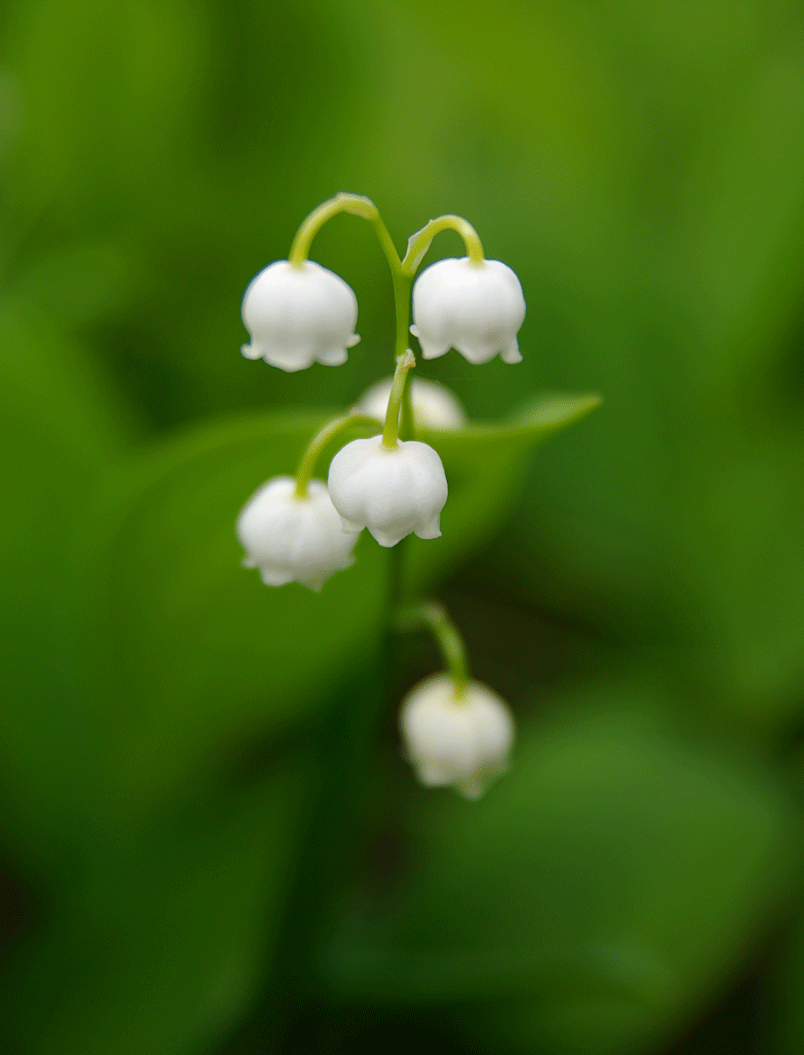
x: 303, y: 314
x: 306, y: 539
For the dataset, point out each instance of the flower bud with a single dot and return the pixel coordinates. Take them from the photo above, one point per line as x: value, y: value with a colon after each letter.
x: 464, y: 740
x: 392, y: 492
x: 475, y: 308
x: 293, y: 539
x: 297, y: 316
x: 434, y: 406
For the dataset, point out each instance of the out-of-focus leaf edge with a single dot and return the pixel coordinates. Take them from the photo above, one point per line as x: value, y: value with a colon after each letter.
x: 534, y: 421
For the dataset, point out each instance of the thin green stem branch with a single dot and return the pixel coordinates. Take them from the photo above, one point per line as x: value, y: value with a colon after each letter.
x: 419, y: 243
x: 354, y: 204
x: 390, y: 433
x: 304, y: 473
x: 433, y: 616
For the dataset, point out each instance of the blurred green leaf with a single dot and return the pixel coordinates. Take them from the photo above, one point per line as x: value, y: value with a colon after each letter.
x: 78, y: 285
x: 105, y: 102
x: 62, y: 431
x: 191, y: 651
x: 178, y: 650
x: 600, y: 891
x: 785, y: 1020
x: 484, y: 464
x: 161, y: 945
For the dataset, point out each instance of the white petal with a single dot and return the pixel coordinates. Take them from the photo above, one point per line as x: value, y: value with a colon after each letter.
x: 349, y: 527
x: 273, y: 577
x: 299, y: 315
x: 431, y: 529
x: 388, y: 538
x: 433, y: 351
x: 511, y: 354
x: 332, y: 356
x: 434, y: 405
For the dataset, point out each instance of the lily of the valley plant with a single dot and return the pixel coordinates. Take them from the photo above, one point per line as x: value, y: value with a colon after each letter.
x: 300, y: 529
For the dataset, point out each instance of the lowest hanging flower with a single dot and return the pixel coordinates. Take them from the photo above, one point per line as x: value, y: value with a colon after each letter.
x: 456, y: 737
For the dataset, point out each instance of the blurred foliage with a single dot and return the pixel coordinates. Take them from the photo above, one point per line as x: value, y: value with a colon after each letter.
x: 210, y: 843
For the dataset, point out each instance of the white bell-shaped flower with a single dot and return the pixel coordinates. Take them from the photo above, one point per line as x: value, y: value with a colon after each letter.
x: 392, y: 492
x: 464, y: 740
x: 434, y: 406
x: 475, y: 308
x: 299, y: 315
x: 293, y: 539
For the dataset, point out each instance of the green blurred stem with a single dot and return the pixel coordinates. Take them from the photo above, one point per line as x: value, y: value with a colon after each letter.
x: 390, y: 433
x: 433, y: 616
x: 304, y: 473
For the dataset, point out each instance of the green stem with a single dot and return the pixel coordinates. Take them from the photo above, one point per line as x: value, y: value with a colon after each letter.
x: 359, y: 205
x: 402, y: 285
x: 354, y: 204
x: 390, y: 433
x: 407, y: 425
x: 304, y: 473
x: 433, y: 616
x: 419, y: 243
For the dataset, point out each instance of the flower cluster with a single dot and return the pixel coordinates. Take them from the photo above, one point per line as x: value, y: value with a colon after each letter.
x: 300, y: 529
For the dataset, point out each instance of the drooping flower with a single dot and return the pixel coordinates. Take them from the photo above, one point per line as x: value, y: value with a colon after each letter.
x: 434, y: 406
x: 293, y: 539
x: 297, y: 315
x: 476, y: 308
x: 390, y: 491
x: 464, y: 740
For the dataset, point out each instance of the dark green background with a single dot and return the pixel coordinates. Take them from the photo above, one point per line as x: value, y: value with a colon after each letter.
x: 209, y: 842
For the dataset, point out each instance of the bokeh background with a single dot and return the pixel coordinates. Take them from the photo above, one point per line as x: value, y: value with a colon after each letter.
x: 205, y: 844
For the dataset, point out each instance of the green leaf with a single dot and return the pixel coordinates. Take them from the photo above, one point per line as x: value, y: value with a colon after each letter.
x: 484, y: 464
x: 62, y: 431
x: 165, y: 933
x: 193, y: 651
x: 786, y: 993
x: 600, y: 891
